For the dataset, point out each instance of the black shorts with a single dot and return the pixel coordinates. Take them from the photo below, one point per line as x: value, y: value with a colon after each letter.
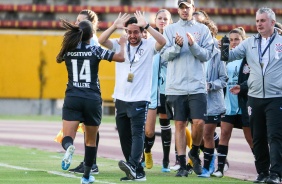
x: 88, y: 111
x: 182, y: 107
x: 213, y: 119
x: 161, y: 108
x: 238, y: 120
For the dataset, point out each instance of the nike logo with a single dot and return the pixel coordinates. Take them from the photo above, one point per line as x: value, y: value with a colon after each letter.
x: 254, y: 47
x: 138, y: 109
x: 215, y: 118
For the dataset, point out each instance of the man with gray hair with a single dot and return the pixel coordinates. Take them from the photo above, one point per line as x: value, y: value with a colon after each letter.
x: 264, y: 56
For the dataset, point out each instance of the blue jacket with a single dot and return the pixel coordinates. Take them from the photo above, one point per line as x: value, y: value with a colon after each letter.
x: 217, y: 80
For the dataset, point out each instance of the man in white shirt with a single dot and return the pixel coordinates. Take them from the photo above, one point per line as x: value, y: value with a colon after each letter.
x: 133, y: 87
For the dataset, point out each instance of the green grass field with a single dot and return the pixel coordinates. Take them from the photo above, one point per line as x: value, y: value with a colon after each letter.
x: 32, y: 166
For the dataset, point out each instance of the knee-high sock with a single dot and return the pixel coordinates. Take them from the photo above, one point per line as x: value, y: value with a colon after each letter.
x: 166, y: 139
x: 89, y: 155
x: 96, y: 149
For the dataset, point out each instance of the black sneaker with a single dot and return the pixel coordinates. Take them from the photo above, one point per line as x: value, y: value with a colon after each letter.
x: 273, y: 178
x: 182, y: 173
x: 261, y: 178
x: 129, y: 170
x: 125, y: 179
x: 197, y: 167
x: 140, y: 176
x: 94, y: 169
x: 79, y: 169
x: 189, y: 168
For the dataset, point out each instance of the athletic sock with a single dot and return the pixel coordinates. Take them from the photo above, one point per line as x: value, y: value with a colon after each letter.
x: 90, y: 154
x: 182, y: 160
x: 149, y: 142
x: 222, y: 154
x: 194, y: 150
x: 66, y: 142
x: 96, y: 150
x: 208, y: 154
x: 166, y: 139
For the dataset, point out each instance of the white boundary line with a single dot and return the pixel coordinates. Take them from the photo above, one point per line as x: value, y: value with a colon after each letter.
x: 49, y: 172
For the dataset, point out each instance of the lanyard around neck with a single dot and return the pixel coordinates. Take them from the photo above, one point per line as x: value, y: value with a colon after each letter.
x: 261, y: 54
x: 128, y: 53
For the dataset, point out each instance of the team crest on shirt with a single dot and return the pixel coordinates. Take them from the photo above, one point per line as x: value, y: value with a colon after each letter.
x: 197, y: 36
x: 278, y: 47
x: 138, y: 55
x: 141, y: 52
x: 246, y: 69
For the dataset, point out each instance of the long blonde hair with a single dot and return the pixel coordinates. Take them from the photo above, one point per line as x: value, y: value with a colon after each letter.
x: 92, y: 17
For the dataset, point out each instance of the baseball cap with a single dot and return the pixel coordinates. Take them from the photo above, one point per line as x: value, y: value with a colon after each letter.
x: 186, y: 2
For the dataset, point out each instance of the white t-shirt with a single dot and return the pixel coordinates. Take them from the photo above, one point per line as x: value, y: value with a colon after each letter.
x: 265, y: 58
x: 140, y: 88
x: 94, y: 41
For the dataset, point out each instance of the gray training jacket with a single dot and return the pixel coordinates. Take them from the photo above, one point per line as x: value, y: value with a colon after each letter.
x: 217, y: 77
x: 185, y: 69
x: 269, y: 84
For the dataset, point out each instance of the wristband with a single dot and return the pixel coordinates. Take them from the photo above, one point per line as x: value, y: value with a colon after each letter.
x: 147, y: 26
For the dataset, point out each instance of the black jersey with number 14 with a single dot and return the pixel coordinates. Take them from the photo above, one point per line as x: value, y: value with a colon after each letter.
x: 83, y: 66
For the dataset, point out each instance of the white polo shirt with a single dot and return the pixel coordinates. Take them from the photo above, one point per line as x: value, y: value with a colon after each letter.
x: 140, y: 88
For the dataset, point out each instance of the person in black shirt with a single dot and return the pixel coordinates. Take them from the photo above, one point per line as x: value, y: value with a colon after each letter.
x: 83, y: 101
x: 93, y: 18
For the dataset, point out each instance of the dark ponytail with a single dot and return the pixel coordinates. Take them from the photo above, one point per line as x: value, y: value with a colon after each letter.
x: 74, y: 35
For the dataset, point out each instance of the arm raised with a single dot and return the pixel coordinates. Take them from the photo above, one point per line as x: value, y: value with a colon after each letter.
x: 141, y: 22
x: 118, y: 24
x: 119, y: 57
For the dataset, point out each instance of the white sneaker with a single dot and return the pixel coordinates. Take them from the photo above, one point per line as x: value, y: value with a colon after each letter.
x: 226, y: 166
x: 217, y: 174
x: 175, y: 167
x: 68, y: 157
x: 87, y: 181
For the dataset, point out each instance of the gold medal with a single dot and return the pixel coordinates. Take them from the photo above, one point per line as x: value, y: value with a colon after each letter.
x: 130, y: 77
